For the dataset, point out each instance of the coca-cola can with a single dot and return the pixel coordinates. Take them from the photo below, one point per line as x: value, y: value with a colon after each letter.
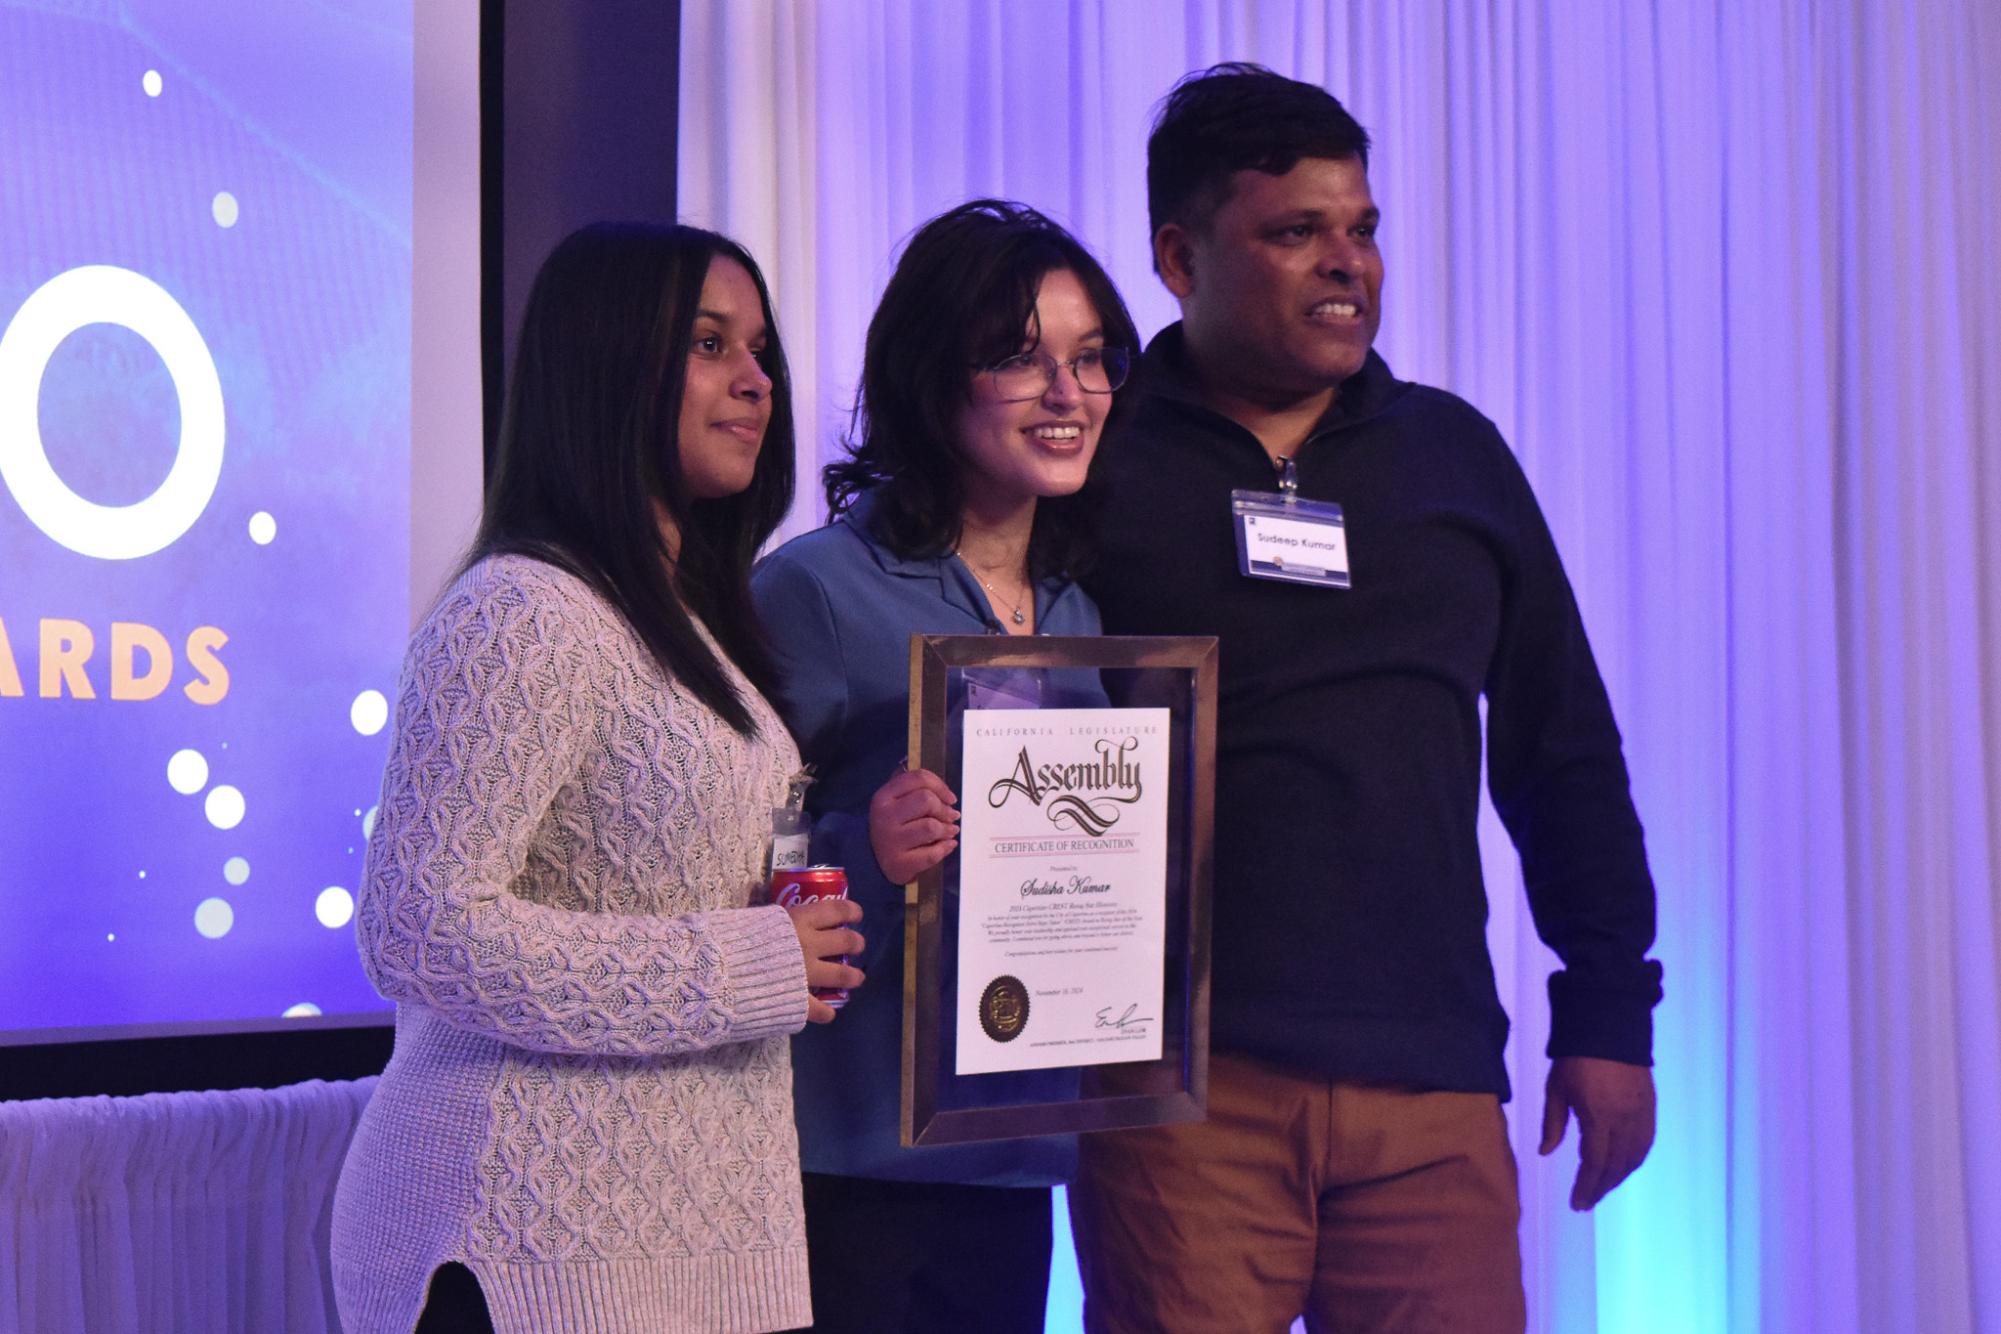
x: 804, y: 884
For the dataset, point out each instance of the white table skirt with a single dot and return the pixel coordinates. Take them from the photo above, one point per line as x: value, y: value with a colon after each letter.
x: 202, y: 1212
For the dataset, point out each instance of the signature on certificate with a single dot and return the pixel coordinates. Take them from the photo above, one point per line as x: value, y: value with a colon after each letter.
x: 1123, y: 1021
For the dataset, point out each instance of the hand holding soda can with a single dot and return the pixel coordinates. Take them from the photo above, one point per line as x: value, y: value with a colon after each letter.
x: 805, y: 884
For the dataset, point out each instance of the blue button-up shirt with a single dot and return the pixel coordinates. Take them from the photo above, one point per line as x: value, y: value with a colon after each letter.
x: 840, y: 608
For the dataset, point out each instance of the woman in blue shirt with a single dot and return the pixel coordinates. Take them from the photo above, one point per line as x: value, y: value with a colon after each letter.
x: 993, y: 364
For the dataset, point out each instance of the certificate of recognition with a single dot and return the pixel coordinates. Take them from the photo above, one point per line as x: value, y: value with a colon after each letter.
x: 1063, y: 848
x: 1056, y: 965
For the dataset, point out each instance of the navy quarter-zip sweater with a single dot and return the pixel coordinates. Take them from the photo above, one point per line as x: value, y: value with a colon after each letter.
x: 1350, y: 914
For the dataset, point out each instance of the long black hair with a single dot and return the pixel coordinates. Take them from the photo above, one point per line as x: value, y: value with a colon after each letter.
x: 590, y: 445
x: 963, y: 293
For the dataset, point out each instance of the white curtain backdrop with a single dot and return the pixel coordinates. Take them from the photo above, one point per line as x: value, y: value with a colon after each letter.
x: 189, y: 1212
x: 1724, y: 272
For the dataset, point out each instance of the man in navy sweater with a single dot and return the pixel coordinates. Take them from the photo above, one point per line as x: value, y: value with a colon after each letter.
x: 1373, y: 562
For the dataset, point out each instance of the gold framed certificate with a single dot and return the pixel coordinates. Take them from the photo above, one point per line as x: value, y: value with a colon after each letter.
x: 1056, y: 969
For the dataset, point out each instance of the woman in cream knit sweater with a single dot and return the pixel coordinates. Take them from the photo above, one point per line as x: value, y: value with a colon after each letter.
x: 587, y: 1121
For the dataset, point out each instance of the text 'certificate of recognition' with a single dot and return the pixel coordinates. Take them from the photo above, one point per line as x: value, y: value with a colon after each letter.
x: 1062, y: 887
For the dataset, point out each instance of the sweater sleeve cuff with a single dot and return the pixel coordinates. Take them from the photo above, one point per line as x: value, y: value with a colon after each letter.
x: 766, y: 972
x: 1611, y: 1025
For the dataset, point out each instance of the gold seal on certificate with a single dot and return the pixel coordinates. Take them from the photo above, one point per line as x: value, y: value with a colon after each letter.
x: 1004, y: 1009
x: 1063, y: 858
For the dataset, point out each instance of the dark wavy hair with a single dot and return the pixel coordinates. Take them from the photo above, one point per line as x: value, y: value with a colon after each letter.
x: 963, y: 293
x: 589, y: 445
x: 1237, y: 117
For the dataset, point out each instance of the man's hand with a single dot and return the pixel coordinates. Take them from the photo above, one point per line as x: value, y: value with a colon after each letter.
x: 913, y: 824
x: 1614, y: 1103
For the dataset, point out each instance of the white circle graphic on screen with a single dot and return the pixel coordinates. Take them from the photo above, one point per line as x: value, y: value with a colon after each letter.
x: 72, y: 300
x: 187, y: 772
x: 369, y: 713
x: 236, y: 870
x: 214, y: 917
x: 368, y: 822
x: 334, y: 907
x: 263, y: 528
x: 225, y: 209
x: 150, y: 81
x: 223, y: 806
x: 303, y: 1010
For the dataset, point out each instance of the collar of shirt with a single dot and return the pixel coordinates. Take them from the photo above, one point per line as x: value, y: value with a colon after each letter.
x: 1167, y: 375
x: 955, y: 583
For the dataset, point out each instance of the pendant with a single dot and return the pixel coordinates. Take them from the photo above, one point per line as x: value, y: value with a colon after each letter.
x: 1019, y: 619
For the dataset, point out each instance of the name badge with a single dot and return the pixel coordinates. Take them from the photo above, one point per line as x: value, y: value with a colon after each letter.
x: 1291, y: 540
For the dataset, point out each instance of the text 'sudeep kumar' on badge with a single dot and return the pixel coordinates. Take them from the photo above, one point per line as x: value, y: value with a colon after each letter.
x: 1062, y: 921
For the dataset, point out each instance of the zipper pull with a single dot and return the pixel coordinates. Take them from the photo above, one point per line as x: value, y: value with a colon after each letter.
x: 1288, y: 477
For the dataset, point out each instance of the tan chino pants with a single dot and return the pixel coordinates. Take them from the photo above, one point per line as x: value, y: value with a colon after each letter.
x: 1367, y: 1209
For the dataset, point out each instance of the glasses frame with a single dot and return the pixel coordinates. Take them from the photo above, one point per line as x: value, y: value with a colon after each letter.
x: 1050, y: 366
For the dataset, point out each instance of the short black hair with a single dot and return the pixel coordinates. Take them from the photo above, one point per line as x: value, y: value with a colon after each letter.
x: 1237, y: 117
x: 589, y: 444
x: 962, y: 294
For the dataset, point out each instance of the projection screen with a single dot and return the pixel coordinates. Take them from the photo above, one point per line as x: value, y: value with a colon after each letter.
x: 239, y: 450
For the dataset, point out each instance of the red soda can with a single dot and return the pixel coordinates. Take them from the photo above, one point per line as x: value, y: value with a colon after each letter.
x: 804, y: 884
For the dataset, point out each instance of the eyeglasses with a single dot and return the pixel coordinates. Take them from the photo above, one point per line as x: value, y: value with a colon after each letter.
x: 1099, y: 370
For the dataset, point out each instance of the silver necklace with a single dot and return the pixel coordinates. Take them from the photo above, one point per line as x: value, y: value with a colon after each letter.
x: 1014, y: 603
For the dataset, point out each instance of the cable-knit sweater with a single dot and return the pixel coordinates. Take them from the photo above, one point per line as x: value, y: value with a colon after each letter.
x: 589, y: 1104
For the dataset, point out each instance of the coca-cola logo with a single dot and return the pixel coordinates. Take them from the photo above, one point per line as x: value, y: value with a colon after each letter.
x: 1085, y: 795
